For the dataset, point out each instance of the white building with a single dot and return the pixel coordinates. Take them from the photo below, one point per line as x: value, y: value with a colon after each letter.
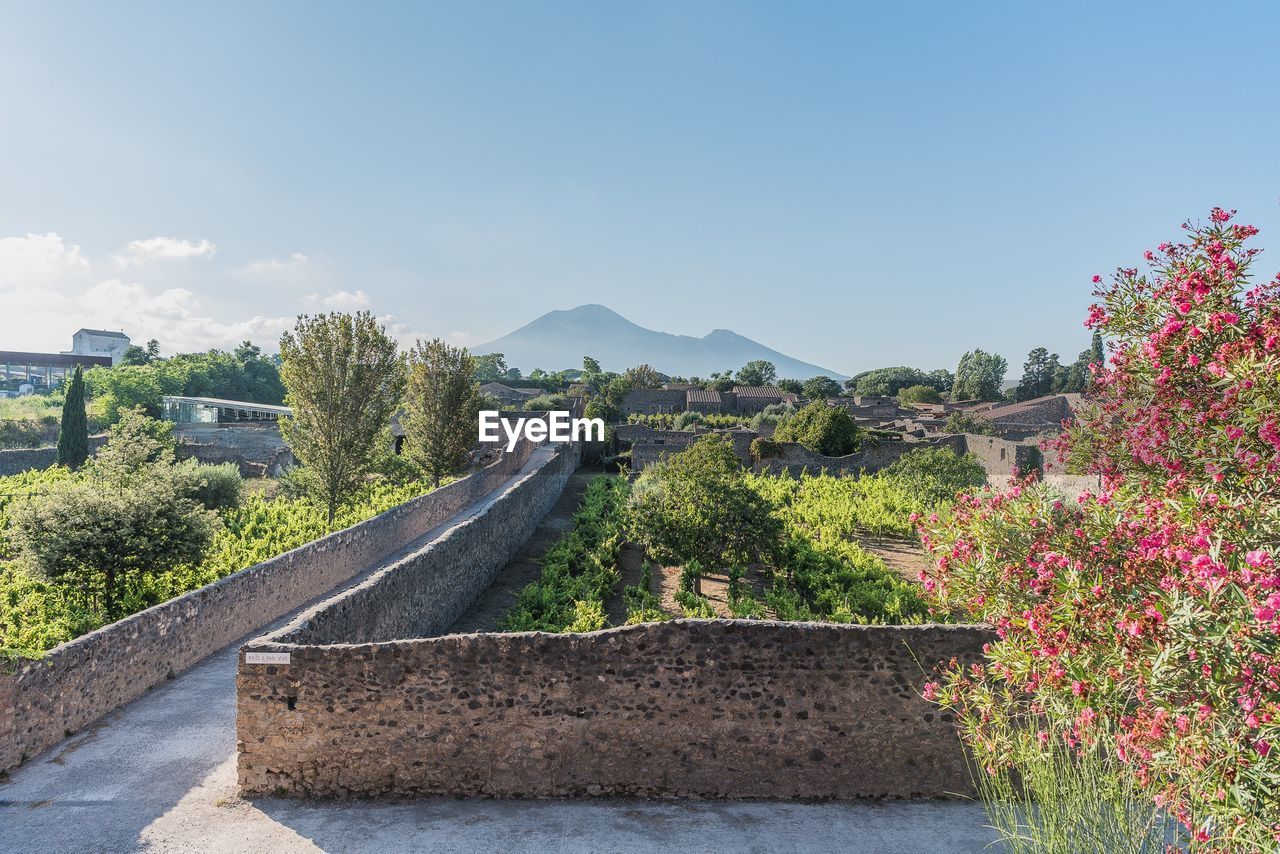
x: 99, y: 342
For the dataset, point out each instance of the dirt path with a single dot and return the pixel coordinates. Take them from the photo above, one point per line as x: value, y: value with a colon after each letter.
x: 483, y: 616
x: 904, y: 557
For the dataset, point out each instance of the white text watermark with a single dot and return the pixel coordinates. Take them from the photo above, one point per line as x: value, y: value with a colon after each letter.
x: 558, y: 426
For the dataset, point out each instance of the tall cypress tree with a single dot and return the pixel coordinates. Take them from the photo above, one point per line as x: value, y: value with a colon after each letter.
x: 73, y: 434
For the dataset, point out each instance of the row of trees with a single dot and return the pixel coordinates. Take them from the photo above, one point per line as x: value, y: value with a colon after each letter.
x: 345, y: 379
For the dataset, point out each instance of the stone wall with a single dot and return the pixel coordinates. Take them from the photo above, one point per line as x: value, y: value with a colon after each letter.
x: 424, y: 591
x: 75, y: 683
x: 257, y: 449
x: 652, y: 401
x: 18, y: 460
x: 690, y: 708
x: 873, y: 457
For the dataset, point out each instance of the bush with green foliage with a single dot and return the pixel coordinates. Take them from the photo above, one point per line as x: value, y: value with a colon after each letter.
x: 886, y: 382
x: 823, y: 429
x: 935, y: 475
x: 919, y: 394
x: 966, y: 422
x: 695, y: 506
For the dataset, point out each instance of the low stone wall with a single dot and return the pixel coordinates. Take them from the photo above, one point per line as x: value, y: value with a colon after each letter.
x: 425, y: 590
x: 75, y: 683
x: 18, y: 460
x: 873, y: 457
x: 693, y: 708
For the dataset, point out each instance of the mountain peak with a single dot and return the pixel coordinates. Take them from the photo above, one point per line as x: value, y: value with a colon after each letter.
x: 559, y: 339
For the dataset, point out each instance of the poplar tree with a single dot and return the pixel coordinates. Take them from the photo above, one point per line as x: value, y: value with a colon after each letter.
x: 73, y: 432
x: 343, y: 378
x: 440, y: 408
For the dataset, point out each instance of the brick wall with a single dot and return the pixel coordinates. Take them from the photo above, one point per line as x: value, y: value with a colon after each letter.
x: 690, y: 708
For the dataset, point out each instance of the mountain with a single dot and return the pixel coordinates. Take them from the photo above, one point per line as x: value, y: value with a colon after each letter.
x: 559, y: 339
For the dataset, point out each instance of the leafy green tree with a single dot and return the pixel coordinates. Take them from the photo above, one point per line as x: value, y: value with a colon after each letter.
x: 344, y: 378
x: 1038, y: 375
x: 642, y: 377
x: 965, y: 422
x: 697, y: 506
x: 919, y: 394
x: 887, y: 382
x: 820, y: 387
x: 130, y: 517
x: 73, y: 432
x: 979, y: 376
x: 793, y: 386
x: 935, y: 475
x: 757, y: 372
x: 490, y: 368
x: 823, y: 429
x: 442, y: 401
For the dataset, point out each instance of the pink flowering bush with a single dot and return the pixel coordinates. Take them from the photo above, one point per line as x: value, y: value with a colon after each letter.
x: 1142, y: 622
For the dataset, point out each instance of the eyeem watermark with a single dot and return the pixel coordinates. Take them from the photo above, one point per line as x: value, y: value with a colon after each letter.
x: 558, y: 426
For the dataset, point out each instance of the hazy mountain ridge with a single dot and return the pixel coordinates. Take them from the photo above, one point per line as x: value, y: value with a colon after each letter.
x: 559, y: 340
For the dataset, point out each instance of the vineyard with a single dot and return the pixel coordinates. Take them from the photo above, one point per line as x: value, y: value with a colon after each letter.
x: 813, y: 567
x: 689, y: 420
x: 36, y: 615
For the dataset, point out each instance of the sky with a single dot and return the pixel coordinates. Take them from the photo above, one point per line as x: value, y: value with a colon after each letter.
x: 856, y: 185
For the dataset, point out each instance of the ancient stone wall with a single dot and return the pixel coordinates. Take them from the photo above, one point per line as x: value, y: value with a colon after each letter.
x: 423, y: 591
x: 257, y: 449
x: 693, y: 708
x: 652, y: 401
x: 78, y: 682
x: 18, y: 460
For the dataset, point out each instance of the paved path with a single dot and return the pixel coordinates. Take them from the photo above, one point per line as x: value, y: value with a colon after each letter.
x: 159, y: 775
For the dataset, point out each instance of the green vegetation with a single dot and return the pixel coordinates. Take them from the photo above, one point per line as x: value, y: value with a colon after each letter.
x: 979, y: 376
x: 73, y: 432
x: 886, y: 382
x: 344, y: 379
x: 820, y: 387
x: 29, y: 422
x: 919, y: 394
x: 823, y: 429
x: 61, y: 531
x: 757, y: 373
x: 244, y: 374
x: 687, y: 421
x: 442, y: 400
x: 579, y: 570
x: 700, y: 511
x: 966, y: 422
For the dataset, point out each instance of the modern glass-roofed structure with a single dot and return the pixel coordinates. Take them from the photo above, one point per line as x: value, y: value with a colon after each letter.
x: 213, y: 410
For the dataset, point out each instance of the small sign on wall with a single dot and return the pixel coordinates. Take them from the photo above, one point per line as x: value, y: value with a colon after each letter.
x: 266, y: 658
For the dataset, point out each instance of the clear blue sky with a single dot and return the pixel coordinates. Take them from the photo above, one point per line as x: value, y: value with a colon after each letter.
x: 856, y: 185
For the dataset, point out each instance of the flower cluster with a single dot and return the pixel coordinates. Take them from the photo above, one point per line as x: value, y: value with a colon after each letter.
x: 1145, y: 617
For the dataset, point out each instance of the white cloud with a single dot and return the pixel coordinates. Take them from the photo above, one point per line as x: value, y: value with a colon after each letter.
x: 346, y: 301
x: 275, y: 267
x: 164, y: 248
x: 460, y: 339
x: 37, y: 258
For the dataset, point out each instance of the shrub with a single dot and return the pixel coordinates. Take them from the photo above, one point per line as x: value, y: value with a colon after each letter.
x: 823, y: 429
x: 764, y: 449
x: 965, y: 422
x: 935, y: 475
x: 217, y: 487
x: 919, y: 394
x: 1142, y: 621
x: 697, y: 506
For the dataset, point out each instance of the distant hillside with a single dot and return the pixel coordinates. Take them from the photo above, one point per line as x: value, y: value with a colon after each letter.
x: 559, y: 339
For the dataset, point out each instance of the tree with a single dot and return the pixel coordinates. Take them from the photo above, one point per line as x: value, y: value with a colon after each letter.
x: 823, y: 429
x: 886, y: 382
x: 1038, y: 375
x: 757, y: 372
x: 793, y: 386
x: 919, y: 394
x: 697, y: 506
x: 130, y: 517
x: 642, y: 377
x: 441, y: 405
x: 343, y: 378
x: 490, y: 368
x: 964, y: 422
x: 73, y: 431
x: 979, y: 376
x: 821, y: 387
x: 935, y: 475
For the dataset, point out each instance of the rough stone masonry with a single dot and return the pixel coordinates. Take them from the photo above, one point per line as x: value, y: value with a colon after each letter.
x: 697, y: 708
